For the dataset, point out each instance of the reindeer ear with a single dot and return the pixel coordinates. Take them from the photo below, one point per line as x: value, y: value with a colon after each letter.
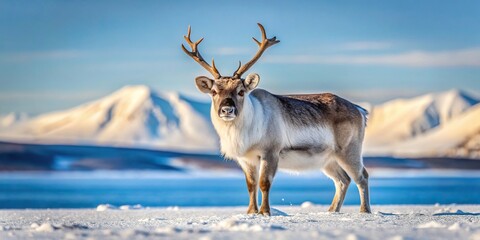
x: 251, y: 81
x: 204, y: 84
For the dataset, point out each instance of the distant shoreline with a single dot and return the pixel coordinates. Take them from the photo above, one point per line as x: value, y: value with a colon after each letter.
x: 65, y: 157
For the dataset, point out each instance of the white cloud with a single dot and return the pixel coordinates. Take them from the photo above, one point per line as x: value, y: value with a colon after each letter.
x: 231, y: 51
x: 50, y: 95
x: 42, y: 55
x: 369, y: 45
x: 453, y: 58
x: 378, y: 95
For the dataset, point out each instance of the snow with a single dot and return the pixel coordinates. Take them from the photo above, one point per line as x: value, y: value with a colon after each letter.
x: 450, y: 211
x: 287, y: 222
x: 105, y: 207
x: 129, y: 207
x: 431, y: 224
x: 45, y: 227
x: 307, y: 204
x: 173, y: 208
x: 11, y: 119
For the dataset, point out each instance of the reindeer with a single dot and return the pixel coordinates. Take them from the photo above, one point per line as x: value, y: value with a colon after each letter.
x: 264, y: 132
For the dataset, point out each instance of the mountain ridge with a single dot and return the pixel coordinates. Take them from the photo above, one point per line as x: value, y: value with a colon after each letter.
x: 402, y: 119
x: 133, y: 115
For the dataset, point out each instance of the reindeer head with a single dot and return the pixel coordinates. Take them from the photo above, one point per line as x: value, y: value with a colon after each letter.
x: 228, y: 93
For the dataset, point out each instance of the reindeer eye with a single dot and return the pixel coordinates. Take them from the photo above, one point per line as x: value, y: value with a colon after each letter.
x: 214, y: 92
x: 241, y: 93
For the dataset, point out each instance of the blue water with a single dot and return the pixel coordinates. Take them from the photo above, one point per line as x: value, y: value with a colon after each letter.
x: 40, y: 191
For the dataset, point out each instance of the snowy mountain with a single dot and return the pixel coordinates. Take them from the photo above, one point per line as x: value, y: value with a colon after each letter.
x: 459, y: 137
x: 437, y: 124
x: 12, y: 119
x: 403, y: 119
x: 132, y: 116
x: 433, y: 124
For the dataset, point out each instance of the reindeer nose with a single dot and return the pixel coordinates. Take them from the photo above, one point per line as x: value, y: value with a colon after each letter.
x: 227, y: 110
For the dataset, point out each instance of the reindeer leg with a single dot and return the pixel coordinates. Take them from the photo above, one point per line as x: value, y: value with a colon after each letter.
x: 341, y: 180
x: 268, y: 168
x: 251, y: 177
x: 352, y: 163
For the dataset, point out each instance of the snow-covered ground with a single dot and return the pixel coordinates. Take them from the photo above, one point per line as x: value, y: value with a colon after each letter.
x: 294, y: 222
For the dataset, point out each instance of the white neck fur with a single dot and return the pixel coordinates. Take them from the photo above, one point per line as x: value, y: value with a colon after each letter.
x: 239, y: 135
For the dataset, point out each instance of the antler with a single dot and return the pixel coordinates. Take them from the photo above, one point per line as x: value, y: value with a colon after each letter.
x: 262, y: 46
x: 197, y: 57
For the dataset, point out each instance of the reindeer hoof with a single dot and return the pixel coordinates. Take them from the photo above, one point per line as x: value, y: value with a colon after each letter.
x: 265, y: 213
x: 365, y: 210
x: 333, y: 209
x: 252, y: 211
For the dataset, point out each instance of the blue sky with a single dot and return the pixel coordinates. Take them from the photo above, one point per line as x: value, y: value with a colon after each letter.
x: 58, y: 54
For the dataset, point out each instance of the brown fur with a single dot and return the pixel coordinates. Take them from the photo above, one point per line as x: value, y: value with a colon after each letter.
x: 251, y: 177
x: 332, y: 107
